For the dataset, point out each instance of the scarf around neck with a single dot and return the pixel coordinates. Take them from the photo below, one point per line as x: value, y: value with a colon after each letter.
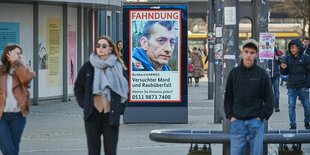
x: 113, y: 77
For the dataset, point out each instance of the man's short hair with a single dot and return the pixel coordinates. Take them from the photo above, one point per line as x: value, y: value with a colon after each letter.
x: 147, y: 29
x: 251, y: 43
x: 305, y: 38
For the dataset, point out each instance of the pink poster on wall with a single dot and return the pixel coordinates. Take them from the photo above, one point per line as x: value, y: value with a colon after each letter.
x: 72, y: 58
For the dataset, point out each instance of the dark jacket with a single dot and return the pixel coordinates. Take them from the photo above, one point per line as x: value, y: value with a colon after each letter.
x: 274, y: 65
x: 298, y: 67
x: 248, y: 93
x: 140, y: 62
x: 83, y: 90
x: 307, y: 50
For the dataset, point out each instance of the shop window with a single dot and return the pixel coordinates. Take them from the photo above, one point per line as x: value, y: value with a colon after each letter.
x: 280, y: 44
x: 197, y: 25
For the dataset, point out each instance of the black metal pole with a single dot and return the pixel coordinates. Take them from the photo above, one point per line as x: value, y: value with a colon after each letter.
x: 218, y: 50
x: 35, y: 53
x: 210, y: 48
x: 65, y: 53
x: 231, y: 42
x: 260, y: 24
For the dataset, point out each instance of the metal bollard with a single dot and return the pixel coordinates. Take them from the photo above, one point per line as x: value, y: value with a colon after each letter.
x: 200, y: 151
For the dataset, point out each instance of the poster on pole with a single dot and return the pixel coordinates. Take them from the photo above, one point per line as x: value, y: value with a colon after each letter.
x: 155, y: 50
x: 266, y: 45
x: 230, y: 15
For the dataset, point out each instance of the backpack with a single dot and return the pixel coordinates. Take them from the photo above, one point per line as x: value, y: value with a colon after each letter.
x: 190, y: 68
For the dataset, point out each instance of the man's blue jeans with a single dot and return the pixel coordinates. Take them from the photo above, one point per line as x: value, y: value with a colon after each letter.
x: 11, y: 129
x: 303, y: 93
x: 275, y: 84
x: 240, y: 130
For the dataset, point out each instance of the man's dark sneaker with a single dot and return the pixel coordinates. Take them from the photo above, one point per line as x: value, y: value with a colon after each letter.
x: 276, y: 110
x: 307, y: 126
x: 293, y: 128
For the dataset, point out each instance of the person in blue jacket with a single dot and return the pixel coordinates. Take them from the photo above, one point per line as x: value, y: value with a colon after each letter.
x: 297, y: 67
x: 157, y: 45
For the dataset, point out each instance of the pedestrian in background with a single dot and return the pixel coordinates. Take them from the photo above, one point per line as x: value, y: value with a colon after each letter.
x: 198, y: 64
x: 101, y: 89
x: 190, y: 71
x: 306, y: 45
x: 119, y: 45
x: 274, y: 70
x: 297, y: 67
x: 189, y: 51
x: 15, y: 78
x: 248, y: 102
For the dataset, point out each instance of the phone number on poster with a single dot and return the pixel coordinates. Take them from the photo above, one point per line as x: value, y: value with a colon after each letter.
x: 150, y: 97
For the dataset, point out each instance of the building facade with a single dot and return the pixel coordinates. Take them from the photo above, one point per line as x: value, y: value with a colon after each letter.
x: 57, y: 37
x: 284, y: 25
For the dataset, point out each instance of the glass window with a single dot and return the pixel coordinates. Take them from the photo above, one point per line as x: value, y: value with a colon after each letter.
x: 280, y: 44
x: 197, y: 25
x: 196, y: 43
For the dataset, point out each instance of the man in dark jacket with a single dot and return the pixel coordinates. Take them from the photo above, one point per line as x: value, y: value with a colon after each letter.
x: 248, y: 101
x: 306, y: 45
x: 297, y: 68
x: 274, y: 71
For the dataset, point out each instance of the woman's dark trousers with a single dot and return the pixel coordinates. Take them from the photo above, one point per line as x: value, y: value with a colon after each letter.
x: 96, y: 126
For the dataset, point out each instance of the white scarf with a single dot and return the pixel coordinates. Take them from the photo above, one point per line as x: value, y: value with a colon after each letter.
x: 113, y: 77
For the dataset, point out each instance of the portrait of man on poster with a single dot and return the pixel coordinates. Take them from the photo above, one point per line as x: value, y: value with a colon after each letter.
x: 157, y: 46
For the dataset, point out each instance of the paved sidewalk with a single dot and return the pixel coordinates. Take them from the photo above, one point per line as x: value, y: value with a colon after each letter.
x: 58, y: 129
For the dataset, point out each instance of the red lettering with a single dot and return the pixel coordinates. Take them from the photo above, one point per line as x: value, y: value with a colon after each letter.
x: 157, y: 15
x: 169, y: 15
x: 138, y: 16
x: 151, y: 15
x: 154, y: 15
x: 163, y: 15
x: 144, y: 15
x: 133, y: 15
x: 175, y: 15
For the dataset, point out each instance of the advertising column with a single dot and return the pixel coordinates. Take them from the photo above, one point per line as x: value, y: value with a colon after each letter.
x: 153, y: 76
x: 155, y: 50
x: 156, y: 54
